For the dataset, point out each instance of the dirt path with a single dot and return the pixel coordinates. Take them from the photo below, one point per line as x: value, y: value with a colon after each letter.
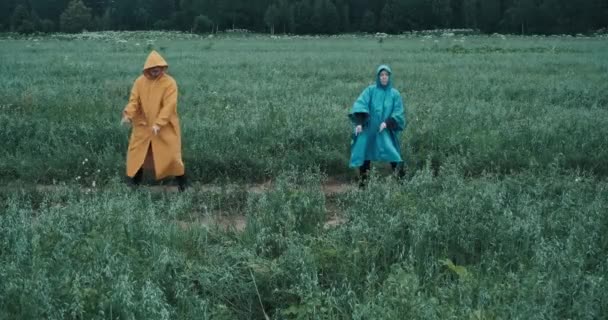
x: 331, y: 188
x: 238, y: 222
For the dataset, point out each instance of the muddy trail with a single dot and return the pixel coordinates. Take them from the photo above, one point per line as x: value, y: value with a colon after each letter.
x: 226, y: 221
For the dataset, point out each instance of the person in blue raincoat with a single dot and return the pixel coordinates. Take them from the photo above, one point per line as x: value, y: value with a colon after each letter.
x: 378, y: 118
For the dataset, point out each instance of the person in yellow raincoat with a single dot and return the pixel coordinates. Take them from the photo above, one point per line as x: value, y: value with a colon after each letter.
x: 155, y: 142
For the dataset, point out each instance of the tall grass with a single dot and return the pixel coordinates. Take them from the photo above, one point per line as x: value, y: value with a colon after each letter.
x: 439, y: 247
x: 253, y: 107
x: 503, y: 214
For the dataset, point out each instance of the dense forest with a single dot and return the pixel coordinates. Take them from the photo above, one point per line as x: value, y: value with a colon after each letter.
x: 305, y: 16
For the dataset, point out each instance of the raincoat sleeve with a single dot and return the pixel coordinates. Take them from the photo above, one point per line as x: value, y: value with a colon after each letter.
x: 360, y: 109
x: 397, y: 121
x: 169, y: 106
x: 133, y: 105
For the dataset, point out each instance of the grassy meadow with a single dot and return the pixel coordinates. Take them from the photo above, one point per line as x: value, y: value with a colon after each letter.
x: 504, y: 213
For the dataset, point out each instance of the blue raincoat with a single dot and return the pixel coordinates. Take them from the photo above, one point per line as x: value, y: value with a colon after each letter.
x: 375, y: 105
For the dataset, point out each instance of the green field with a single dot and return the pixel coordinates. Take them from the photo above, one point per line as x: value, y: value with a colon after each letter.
x: 504, y: 214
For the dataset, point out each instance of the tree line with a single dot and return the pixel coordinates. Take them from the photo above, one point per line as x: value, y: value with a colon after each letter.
x: 305, y: 16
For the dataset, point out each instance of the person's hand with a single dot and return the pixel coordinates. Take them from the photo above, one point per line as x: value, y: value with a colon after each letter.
x: 358, y: 129
x: 155, y: 129
x: 125, y: 121
x: 382, y: 126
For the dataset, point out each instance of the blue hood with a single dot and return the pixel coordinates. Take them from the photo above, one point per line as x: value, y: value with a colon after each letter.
x: 390, y: 76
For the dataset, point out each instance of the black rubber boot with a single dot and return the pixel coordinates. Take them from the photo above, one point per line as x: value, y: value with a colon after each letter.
x: 182, y: 183
x: 398, y: 170
x: 137, y: 178
x: 364, y: 173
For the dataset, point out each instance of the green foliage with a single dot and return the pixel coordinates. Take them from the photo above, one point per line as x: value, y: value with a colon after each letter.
x: 368, y: 23
x: 47, y: 26
x: 325, y: 17
x: 272, y: 17
x: 468, y: 100
x: 435, y: 247
x: 318, y: 16
x: 76, y: 17
x: 295, y: 206
x: 21, y: 21
x: 503, y: 214
x: 202, y: 24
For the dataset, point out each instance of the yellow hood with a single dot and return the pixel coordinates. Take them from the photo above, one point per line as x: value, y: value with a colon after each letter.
x: 155, y: 60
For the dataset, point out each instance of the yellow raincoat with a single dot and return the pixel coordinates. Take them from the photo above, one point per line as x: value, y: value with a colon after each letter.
x: 154, y: 102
